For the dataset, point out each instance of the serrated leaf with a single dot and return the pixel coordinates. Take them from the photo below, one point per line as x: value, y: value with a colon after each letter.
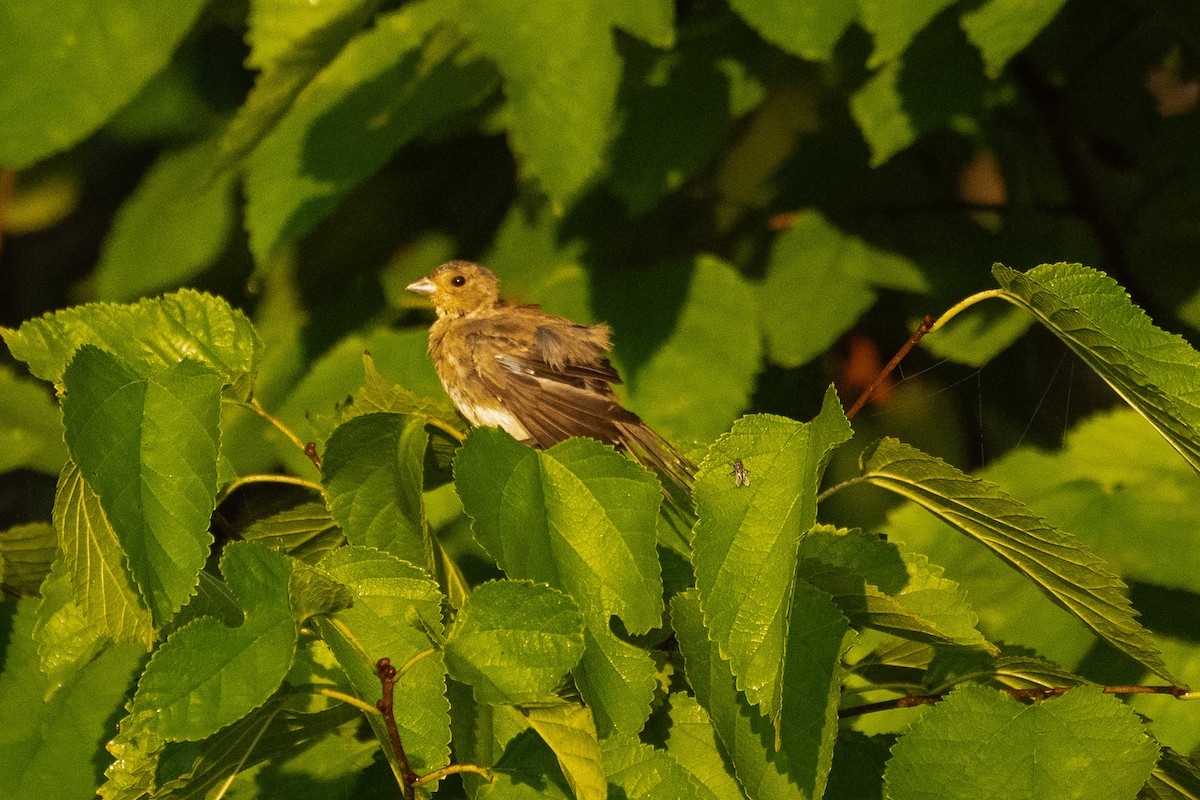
x: 748, y: 737
x: 878, y: 585
x: 1003, y: 28
x: 377, y: 394
x: 306, y: 532
x: 373, y: 473
x: 148, y: 447
x: 805, y: 28
x: 30, y: 426
x: 641, y: 771
x: 569, y: 730
x: 95, y: 567
x: 1061, y: 566
x: 745, y: 542
x: 580, y: 517
x: 1174, y: 778
x: 66, y: 640
x: 207, y: 675
x: 61, y: 80
x: 819, y: 281
x: 147, y: 335
x: 692, y: 742
x: 26, y: 553
x: 396, y: 610
x: 50, y: 747
x: 513, y: 641
x: 527, y: 770
x: 690, y: 324
x: 1157, y: 373
x: 979, y: 742
x: 560, y: 98
x: 383, y: 89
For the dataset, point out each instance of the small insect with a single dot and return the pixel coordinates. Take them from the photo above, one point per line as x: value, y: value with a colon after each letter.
x: 741, y: 477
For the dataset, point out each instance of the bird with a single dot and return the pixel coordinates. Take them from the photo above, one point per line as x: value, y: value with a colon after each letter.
x: 540, y: 377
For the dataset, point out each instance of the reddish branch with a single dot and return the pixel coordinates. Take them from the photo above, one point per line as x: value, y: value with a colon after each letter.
x: 919, y: 334
x: 387, y: 680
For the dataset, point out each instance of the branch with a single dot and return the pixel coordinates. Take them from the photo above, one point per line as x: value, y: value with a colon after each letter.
x: 387, y: 680
x: 920, y: 332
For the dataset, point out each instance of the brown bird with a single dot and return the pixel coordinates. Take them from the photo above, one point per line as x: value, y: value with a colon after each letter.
x: 540, y: 377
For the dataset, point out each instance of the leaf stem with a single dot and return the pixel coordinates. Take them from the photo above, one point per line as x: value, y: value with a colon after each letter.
x: 438, y: 774
x: 963, y: 305
x: 257, y: 408
x: 290, y: 479
x: 387, y: 681
x: 1041, y: 693
x: 412, y: 661
x: 349, y: 699
x: 837, y: 487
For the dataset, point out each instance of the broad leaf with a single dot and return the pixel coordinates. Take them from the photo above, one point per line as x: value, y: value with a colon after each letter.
x: 148, y: 447
x: 879, y: 585
x: 819, y: 281
x: 1062, y: 567
x: 580, y: 517
x: 49, y: 747
x: 1175, y: 778
x: 692, y: 742
x: 569, y: 730
x: 372, y: 470
x: 30, y: 426
x: 396, y: 610
x: 805, y: 28
x: 147, y: 335
x: 893, y: 24
x: 568, y: 87
x: 388, y: 86
x: 65, y: 67
x: 1003, y: 28
x: 1157, y: 373
x: 745, y: 542
x: 979, y: 742
x: 207, y: 675
x: 514, y: 641
x: 306, y: 532
x: 26, y: 553
x: 172, y: 227
x: 640, y: 770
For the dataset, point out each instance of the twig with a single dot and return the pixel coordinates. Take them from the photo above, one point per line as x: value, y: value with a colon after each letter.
x: 920, y: 332
x: 387, y: 680
x: 910, y: 701
x: 438, y: 774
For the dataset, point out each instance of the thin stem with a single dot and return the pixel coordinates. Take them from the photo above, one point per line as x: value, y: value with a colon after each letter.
x: 837, y: 487
x: 294, y: 481
x: 361, y: 705
x: 257, y: 408
x: 963, y: 305
x: 1042, y: 693
x: 446, y: 428
x: 438, y: 774
x: 246, y: 754
x: 409, y: 664
x: 918, y: 334
x: 387, y: 681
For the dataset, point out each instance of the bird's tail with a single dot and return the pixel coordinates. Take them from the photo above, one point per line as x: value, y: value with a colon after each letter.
x: 675, y: 470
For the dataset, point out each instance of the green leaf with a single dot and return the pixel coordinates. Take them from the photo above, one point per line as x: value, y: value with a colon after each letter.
x: 147, y: 335
x: 275, y: 27
x: 684, y: 325
x: 388, y: 86
x: 569, y: 730
x: 207, y: 675
x: 66, y: 640
x: 527, y: 770
x: 639, y: 770
x: 938, y: 81
x: 306, y: 532
x: 514, y: 641
x: 763, y: 770
x: 372, y: 471
x: 26, y: 553
x: 805, y: 28
x: 692, y: 742
x: 148, y: 447
x: 979, y: 742
x: 174, y: 225
x: 581, y: 518
x: 819, y: 281
x: 95, y: 567
x: 1174, y: 778
x: 30, y: 426
x: 745, y: 542
x: 569, y: 88
x: 1003, y: 28
x: 396, y: 610
x: 1157, y: 373
x: 51, y: 747
x: 651, y: 21
x: 879, y: 585
x: 66, y: 67
x: 893, y: 24
x: 1062, y: 567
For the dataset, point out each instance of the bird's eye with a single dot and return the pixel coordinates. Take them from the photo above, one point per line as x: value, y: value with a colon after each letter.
x: 457, y: 280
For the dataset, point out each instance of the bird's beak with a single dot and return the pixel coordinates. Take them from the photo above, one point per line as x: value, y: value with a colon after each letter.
x: 423, y: 286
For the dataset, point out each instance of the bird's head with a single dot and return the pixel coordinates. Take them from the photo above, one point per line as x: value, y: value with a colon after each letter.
x: 459, y: 287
